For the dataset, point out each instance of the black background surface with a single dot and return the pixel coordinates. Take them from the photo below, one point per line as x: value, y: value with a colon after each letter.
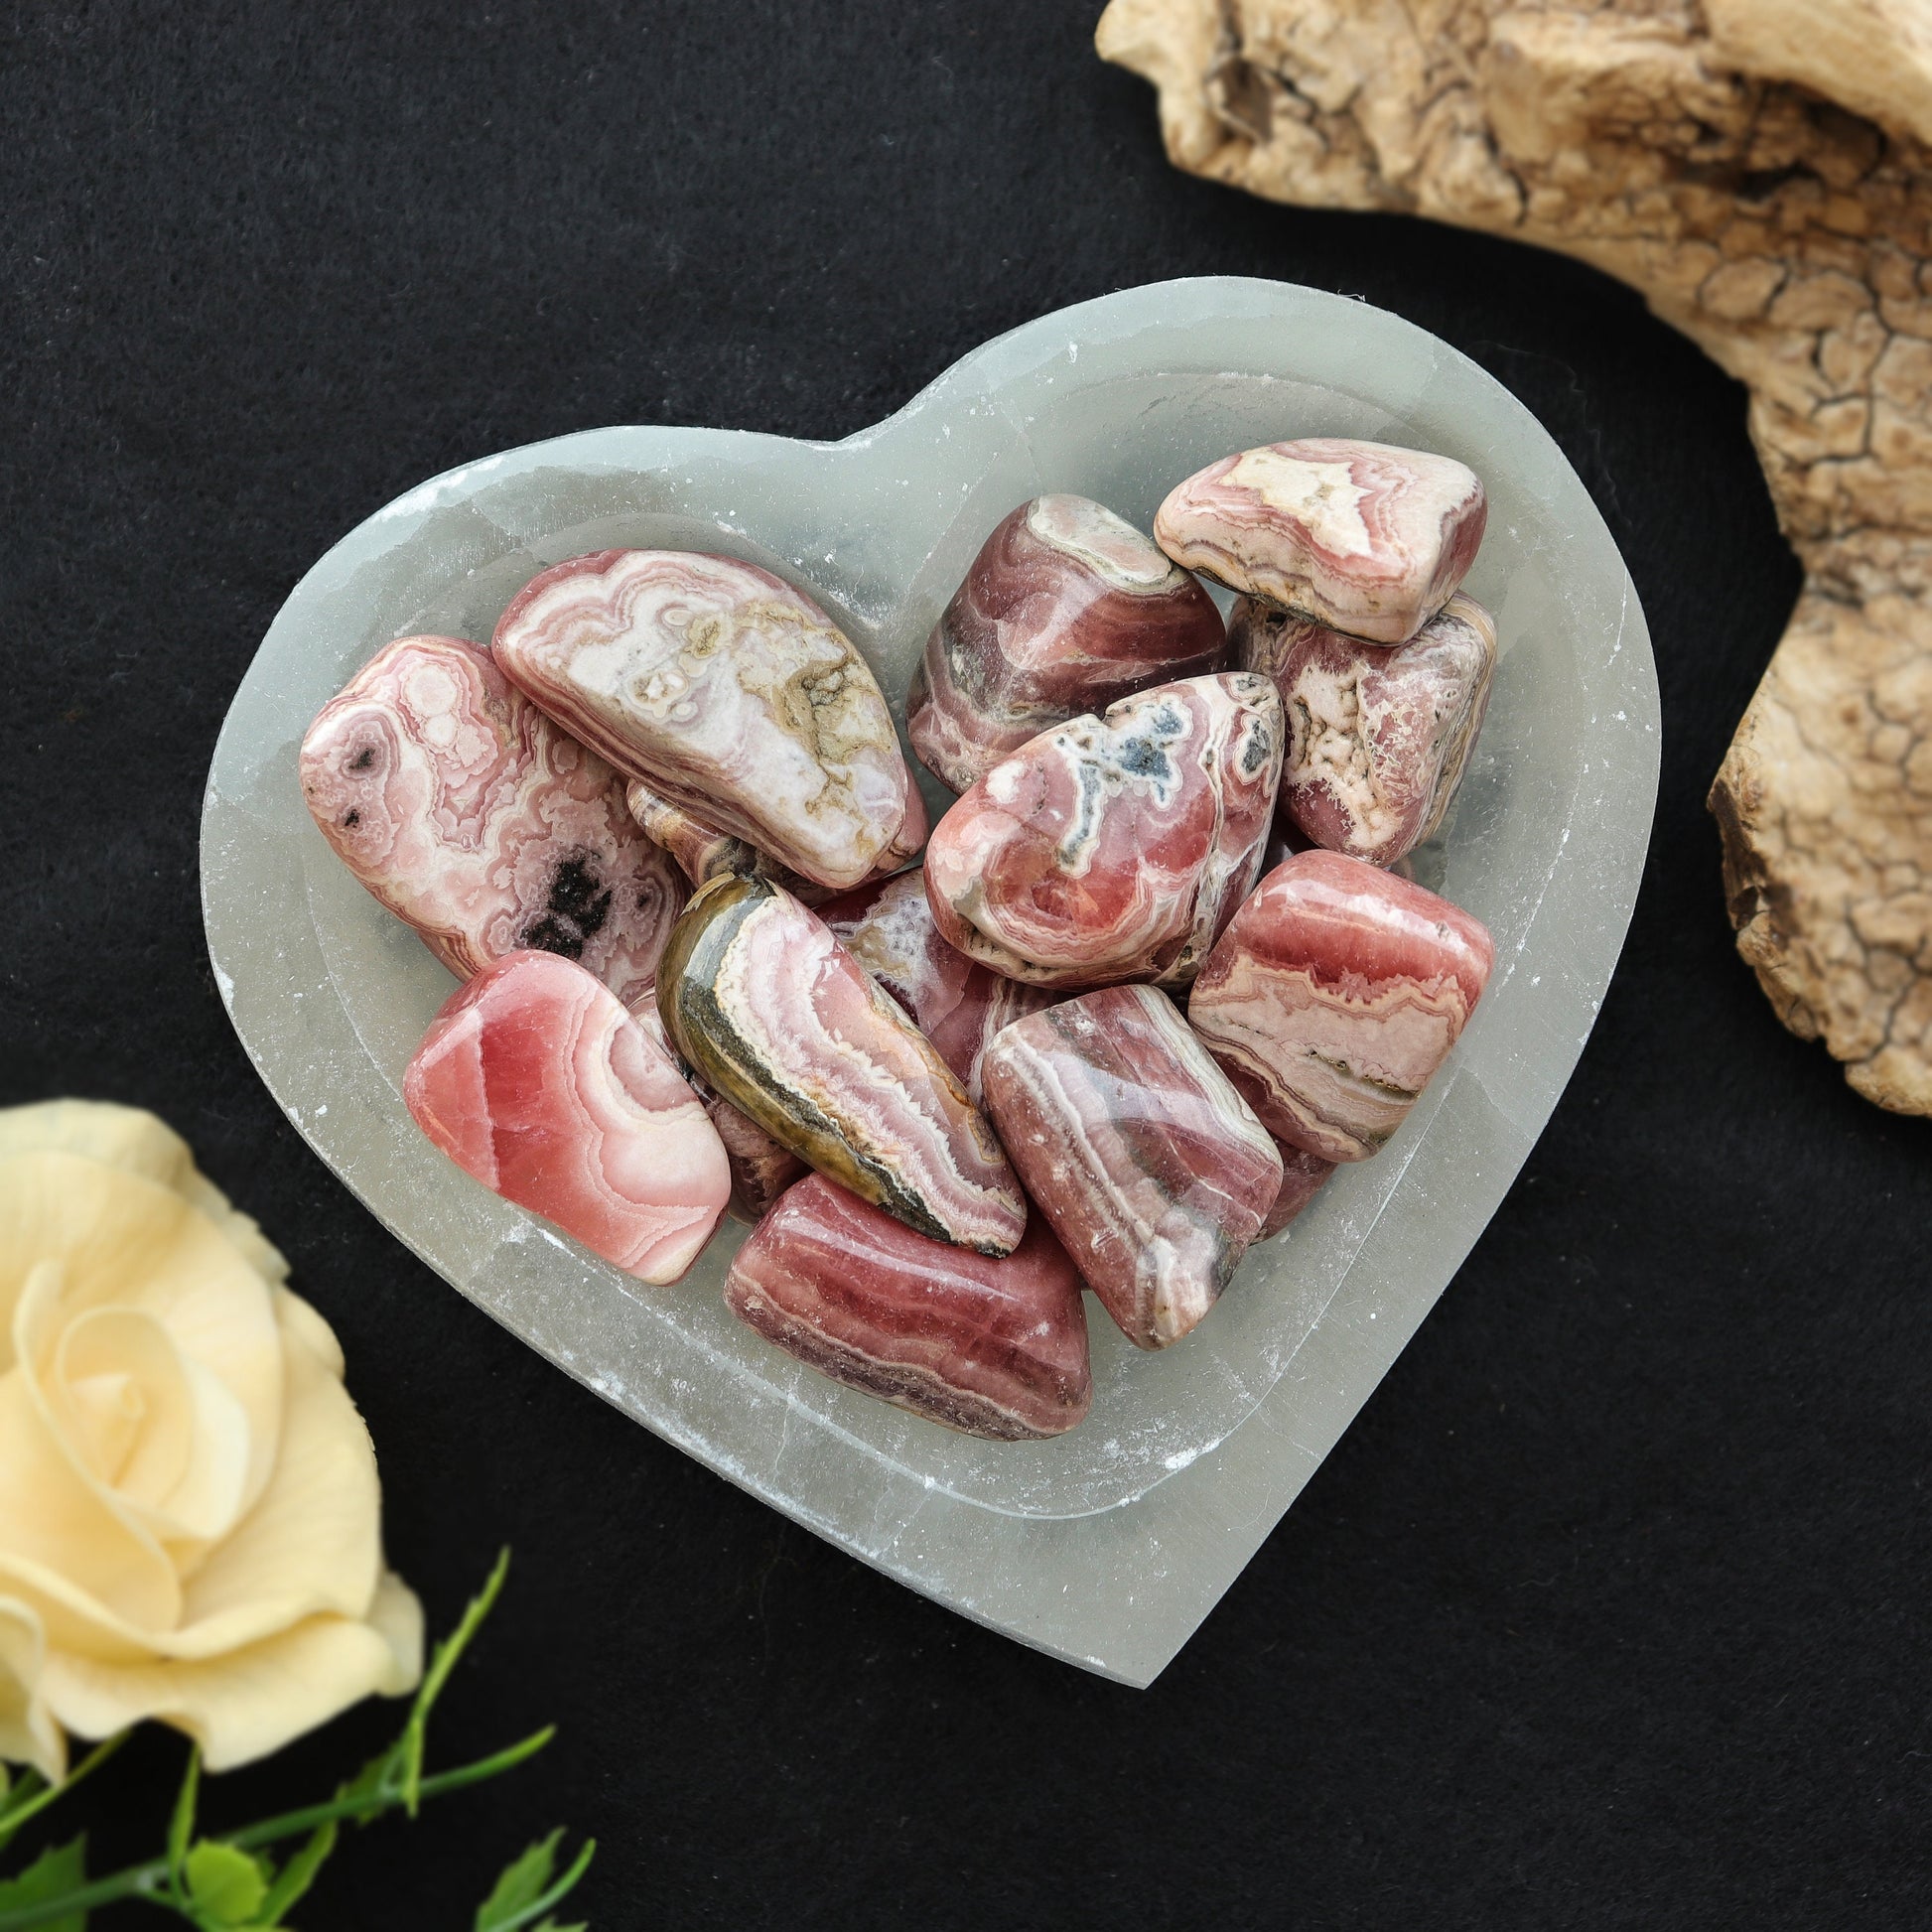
x: 1611, y: 1609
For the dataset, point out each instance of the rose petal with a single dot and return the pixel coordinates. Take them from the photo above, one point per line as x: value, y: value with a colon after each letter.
x: 55, y: 1518
x: 249, y: 1702
x: 28, y: 1732
x: 136, y: 1141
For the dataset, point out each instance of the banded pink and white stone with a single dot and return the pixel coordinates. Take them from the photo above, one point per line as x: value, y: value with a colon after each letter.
x: 1066, y: 608
x: 726, y: 691
x: 1334, y: 996
x: 1114, y: 848
x: 535, y: 1080
x: 480, y: 823
x: 704, y: 853
x: 778, y: 1017
x: 958, y: 1003
x: 1152, y: 1170
x: 1366, y: 537
x: 1378, y: 737
x: 761, y: 1168
x: 992, y: 1347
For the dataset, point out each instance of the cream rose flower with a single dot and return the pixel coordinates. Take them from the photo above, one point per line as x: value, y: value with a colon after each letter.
x: 188, y: 1503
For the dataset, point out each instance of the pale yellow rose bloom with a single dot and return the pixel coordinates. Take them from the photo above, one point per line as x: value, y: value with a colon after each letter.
x: 189, y: 1515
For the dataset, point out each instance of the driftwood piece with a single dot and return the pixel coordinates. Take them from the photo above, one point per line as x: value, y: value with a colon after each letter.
x: 1784, y: 229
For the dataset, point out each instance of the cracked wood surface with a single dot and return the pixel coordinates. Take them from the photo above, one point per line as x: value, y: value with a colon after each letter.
x: 1786, y: 229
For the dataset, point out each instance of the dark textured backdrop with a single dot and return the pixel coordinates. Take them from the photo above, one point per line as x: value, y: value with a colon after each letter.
x: 1611, y: 1608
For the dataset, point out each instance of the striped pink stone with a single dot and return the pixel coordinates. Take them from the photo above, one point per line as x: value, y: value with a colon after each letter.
x: 1302, y: 1178
x: 536, y: 1081
x: 480, y: 823
x: 1363, y: 536
x: 1149, y: 1164
x: 1114, y: 848
x: 1066, y: 608
x: 702, y: 853
x: 759, y: 997
x: 992, y: 1347
x: 1378, y: 737
x: 726, y: 691
x: 760, y: 1167
x: 958, y: 1003
x: 1334, y: 996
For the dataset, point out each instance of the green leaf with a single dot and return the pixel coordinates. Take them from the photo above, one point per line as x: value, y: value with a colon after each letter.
x: 299, y: 1873
x: 524, y: 1894
x: 225, y: 1886
x: 181, y: 1828
x: 521, y: 1884
x: 441, y: 1662
x: 60, y: 1870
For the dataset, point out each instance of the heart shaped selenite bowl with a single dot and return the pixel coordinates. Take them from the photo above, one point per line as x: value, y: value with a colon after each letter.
x: 1108, y: 1546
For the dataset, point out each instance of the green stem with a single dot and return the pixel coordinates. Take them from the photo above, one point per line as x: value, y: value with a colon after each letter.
x: 145, y: 1880
x: 96, y: 1757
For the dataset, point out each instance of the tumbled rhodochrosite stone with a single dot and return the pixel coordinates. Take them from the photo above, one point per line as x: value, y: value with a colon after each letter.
x: 726, y: 691
x: 1366, y: 537
x: 1302, y: 1175
x: 1151, y: 1167
x: 958, y: 1003
x: 1066, y: 608
x: 759, y: 997
x: 534, y: 1079
x: 761, y: 1170
x: 1378, y: 737
x: 474, y: 818
x: 704, y: 853
x: 1335, y: 992
x: 1114, y: 848
x: 992, y: 1346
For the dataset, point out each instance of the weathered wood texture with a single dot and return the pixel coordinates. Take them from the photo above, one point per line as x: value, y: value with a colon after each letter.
x: 1759, y: 169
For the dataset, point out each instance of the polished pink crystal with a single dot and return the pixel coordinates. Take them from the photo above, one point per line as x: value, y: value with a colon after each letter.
x: 1150, y: 1166
x: 1117, y: 848
x: 1066, y: 608
x: 758, y: 995
x: 958, y: 1003
x: 1378, y: 737
x: 1334, y: 995
x: 1303, y: 1176
x: 478, y: 821
x: 761, y: 1168
x: 994, y: 1347
x: 1366, y: 537
x: 702, y: 853
x: 726, y: 691
x: 535, y: 1080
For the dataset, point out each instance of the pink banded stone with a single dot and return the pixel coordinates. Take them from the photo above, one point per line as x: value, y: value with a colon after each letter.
x: 726, y: 691
x: 761, y: 1170
x: 1150, y: 1166
x: 1302, y: 1178
x: 1378, y: 737
x: 958, y: 1003
x: 704, y: 853
x: 1066, y: 608
x: 1117, y: 848
x: 536, y: 1081
x: 758, y: 996
x: 992, y: 1347
x: 1334, y: 995
x: 480, y: 823
x: 1368, y: 538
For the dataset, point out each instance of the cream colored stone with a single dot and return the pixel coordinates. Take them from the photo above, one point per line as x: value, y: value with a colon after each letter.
x: 1686, y: 148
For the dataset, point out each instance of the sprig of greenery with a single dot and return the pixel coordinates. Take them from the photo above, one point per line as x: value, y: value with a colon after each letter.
x: 230, y: 1885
